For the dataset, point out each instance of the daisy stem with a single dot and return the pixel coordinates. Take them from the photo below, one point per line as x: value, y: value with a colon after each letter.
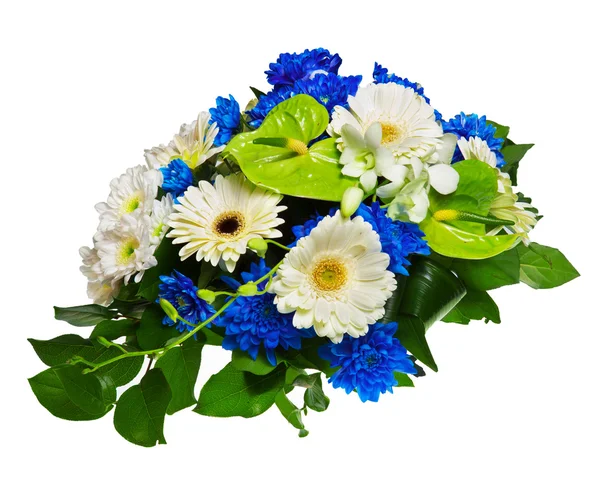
x: 279, y: 245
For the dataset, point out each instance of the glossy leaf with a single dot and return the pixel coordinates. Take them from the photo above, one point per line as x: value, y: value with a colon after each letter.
x: 403, y: 380
x: 93, y: 394
x: 476, y: 305
x: 113, y: 329
x: 151, y: 333
x: 543, y: 267
x: 411, y: 333
x: 314, y: 396
x: 513, y: 153
x: 241, y: 360
x: 501, y: 131
x: 167, y: 257
x: 180, y: 366
x: 491, y: 273
x: 85, y: 315
x: 315, y: 175
x: 140, y: 412
x: 290, y: 412
x: 235, y: 393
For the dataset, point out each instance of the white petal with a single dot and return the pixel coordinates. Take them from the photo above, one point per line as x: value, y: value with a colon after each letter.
x: 368, y: 180
x: 373, y: 136
x: 443, y: 178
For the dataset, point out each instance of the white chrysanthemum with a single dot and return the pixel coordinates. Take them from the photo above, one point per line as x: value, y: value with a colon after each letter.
x: 335, y: 279
x: 101, y: 291
x: 194, y: 144
x: 217, y: 222
x: 477, y: 148
x: 161, y: 211
x: 126, y: 250
x: 408, y: 124
x: 132, y: 192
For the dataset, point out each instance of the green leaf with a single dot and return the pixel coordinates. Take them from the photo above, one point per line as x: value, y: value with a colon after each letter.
x: 403, y: 380
x: 543, y: 267
x: 291, y: 413
x: 151, y: 333
x: 85, y: 315
x: 140, y: 413
x: 491, y: 273
x: 93, y: 394
x: 233, y: 392
x: 513, y: 153
x: 453, y: 242
x: 50, y: 391
x: 257, y: 92
x: 180, y: 366
x: 241, y: 360
x: 411, y: 333
x: 167, y: 257
x: 476, y: 305
x: 113, y: 329
x: 314, y: 396
x: 62, y: 349
x: 316, y: 174
x: 501, y: 131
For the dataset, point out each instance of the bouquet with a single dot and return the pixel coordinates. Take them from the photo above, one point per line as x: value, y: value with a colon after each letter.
x: 316, y: 234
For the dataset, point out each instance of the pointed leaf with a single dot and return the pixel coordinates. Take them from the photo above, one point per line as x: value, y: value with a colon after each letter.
x: 85, y: 315
x: 543, y: 267
x: 491, y: 273
x: 476, y: 305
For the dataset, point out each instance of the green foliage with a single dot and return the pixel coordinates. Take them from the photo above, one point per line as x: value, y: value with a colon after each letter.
x: 151, y: 332
x: 403, y: 380
x: 543, y: 267
x: 411, y: 333
x: 314, y: 396
x: 315, y: 175
x: 513, y: 153
x: 235, y: 393
x: 180, y: 366
x: 291, y: 413
x: 140, y: 412
x: 242, y: 361
x: 113, y: 329
x: 69, y: 394
x: 501, y: 131
x: 476, y: 305
x: 85, y: 315
x: 491, y: 273
x: 167, y: 258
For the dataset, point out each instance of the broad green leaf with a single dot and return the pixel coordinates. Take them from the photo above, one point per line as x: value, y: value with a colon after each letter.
x: 543, y: 267
x: 233, y: 392
x: 316, y: 174
x: 290, y: 412
x: 93, y: 394
x: 180, y: 366
x: 113, y: 329
x: 309, y: 357
x: 167, y: 257
x: 476, y: 305
x: 140, y: 412
x: 501, y: 131
x: 403, y: 380
x: 50, y: 391
x: 85, y: 315
x: 411, y: 333
x: 314, y: 396
x: 242, y: 361
x: 453, y: 242
x: 491, y: 273
x: 151, y: 332
x: 513, y: 153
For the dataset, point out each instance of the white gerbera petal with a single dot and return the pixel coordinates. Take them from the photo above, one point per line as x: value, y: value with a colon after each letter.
x: 477, y: 148
x: 216, y: 222
x: 319, y: 278
x: 443, y: 178
x: 161, y: 211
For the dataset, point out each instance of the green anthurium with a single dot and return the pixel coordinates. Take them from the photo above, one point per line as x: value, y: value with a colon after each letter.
x: 277, y: 156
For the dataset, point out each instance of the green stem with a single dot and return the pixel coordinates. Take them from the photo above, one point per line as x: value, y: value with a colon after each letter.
x: 279, y: 245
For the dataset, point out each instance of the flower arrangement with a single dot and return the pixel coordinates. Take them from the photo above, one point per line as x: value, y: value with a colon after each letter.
x: 318, y: 232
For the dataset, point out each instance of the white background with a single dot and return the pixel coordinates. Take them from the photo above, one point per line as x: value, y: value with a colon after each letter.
x: 86, y: 86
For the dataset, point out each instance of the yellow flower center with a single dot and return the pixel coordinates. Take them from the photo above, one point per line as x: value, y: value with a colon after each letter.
x: 126, y: 250
x: 229, y: 224
x: 297, y: 146
x: 158, y: 230
x: 391, y: 134
x: 131, y: 203
x: 329, y: 274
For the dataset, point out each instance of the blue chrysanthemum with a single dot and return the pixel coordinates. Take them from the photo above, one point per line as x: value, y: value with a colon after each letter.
x: 329, y: 90
x: 252, y: 322
x: 290, y: 68
x: 398, y: 239
x: 227, y: 116
x: 472, y: 125
x: 367, y: 364
x: 177, y: 177
x: 180, y: 291
x: 381, y: 76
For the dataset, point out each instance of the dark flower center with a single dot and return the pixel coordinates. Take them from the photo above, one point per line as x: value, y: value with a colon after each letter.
x: 229, y: 224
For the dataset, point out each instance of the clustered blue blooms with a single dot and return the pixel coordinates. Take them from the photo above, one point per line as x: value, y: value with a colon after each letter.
x: 177, y: 177
x: 290, y: 68
x: 252, y: 322
x: 227, y: 116
x: 472, y: 125
x: 398, y: 239
x: 180, y: 291
x: 367, y: 364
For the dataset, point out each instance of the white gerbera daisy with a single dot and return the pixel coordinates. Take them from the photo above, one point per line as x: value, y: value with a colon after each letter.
x: 477, y: 148
x: 126, y: 250
x: 194, y: 144
x: 335, y: 279
x: 161, y: 211
x: 131, y: 193
x: 101, y: 291
x: 408, y: 123
x: 217, y: 222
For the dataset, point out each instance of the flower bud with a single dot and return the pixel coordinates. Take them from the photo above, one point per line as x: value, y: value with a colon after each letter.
x: 169, y: 309
x: 206, y: 295
x: 351, y: 200
x: 259, y: 246
x: 249, y: 289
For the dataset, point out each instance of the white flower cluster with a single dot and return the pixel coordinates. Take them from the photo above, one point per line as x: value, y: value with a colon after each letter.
x: 132, y: 225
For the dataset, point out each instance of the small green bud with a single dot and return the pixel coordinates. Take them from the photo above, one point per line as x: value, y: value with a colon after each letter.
x: 249, y: 289
x: 169, y: 309
x: 259, y: 246
x: 351, y: 200
x: 206, y: 295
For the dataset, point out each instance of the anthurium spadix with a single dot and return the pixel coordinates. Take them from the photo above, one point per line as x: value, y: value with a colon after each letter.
x: 279, y: 155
